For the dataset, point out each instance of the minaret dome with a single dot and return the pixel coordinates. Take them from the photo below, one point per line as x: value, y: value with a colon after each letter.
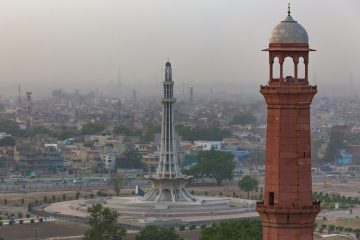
x: 289, y: 31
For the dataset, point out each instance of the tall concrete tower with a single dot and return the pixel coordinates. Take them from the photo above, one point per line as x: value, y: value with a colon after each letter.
x: 168, y: 183
x: 19, y: 96
x: 28, y: 109
x: 288, y: 211
x: 191, y: 94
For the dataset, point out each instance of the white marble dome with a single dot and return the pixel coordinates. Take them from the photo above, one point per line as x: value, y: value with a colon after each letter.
x: 289, y: 31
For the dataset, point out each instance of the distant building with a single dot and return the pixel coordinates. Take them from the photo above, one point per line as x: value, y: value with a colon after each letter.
x: 41, y: 161
x: 208, y: 145
x: 108, y: 161
x: 344, y: 158
x: 151, y: 162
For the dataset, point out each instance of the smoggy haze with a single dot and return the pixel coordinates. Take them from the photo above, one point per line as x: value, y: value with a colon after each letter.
x: 47, y: 44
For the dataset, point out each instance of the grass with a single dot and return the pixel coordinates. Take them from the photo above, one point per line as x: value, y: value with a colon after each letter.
x: 348, y: 222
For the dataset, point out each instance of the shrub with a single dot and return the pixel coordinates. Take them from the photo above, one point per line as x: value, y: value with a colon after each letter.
x: 182, y: 227
x: 21, y: 221
x: 20, y: 215
x: 64, y: 197
x: 53, y: 198
x: 11, y: 222
x: 348, y: 229
x: 192, y: 227
x: 28, y: 215
x: 331, y: 228
x: 323, y: 226
x: 32, y: 221
x: 357, y: 233
x: 45, y: 199
x: 22, y: 201
x: 220, y: 193
x: 41, y: 219
x: 77, y: 195
x: 203, y: 226
x: 340, y: 228
x: 92, y: 195
x: 206, y: 193
x: 5, y: 201
x: 315, y: 225
x: 1, y: 223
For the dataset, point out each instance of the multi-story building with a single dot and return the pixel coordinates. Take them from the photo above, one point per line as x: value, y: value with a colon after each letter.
x: 46, y: 160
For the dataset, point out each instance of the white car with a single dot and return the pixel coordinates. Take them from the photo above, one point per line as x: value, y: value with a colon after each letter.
x: 77, y: 180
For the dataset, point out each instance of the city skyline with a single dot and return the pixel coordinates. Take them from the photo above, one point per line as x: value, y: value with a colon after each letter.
x: 87, y: 44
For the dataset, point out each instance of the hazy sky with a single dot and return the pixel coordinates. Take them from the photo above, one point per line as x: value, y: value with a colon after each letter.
x: 48, y: 44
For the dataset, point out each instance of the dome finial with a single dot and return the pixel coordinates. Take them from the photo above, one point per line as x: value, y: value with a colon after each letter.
x: 289, y: 11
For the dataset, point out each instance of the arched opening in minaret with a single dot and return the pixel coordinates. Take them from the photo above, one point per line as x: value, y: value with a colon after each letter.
x: 276, y: 68
x: 288, y: 68
x: 301, y: 68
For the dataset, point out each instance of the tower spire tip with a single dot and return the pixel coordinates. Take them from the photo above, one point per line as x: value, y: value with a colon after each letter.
x: 289, y: 9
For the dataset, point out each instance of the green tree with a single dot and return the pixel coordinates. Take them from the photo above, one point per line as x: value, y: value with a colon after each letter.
x: 257, y: 158
x: 37, y: 130
x: 91, y: 128
x: 149, y: 134
x: 244, y: 229
x: 116, y: 181
x: 335, y: 144
x: 315, y: 148
x: 211, y: 133
x: 66, y: 133
x: 247, y: 184
x: 357, y: 234
x: 132, y: 159
x: 127, y: 131
x: 157, y: 233
x: 10, y: 127
x: 7, y: 141
x: 244, y: 118
x: 214, y: 164
x: 103, y: 224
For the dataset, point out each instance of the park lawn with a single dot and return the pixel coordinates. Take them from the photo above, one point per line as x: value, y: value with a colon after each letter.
x: 353, y: 223
x: 348, y: 222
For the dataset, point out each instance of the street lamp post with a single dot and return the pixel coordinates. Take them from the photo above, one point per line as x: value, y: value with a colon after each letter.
x: 36, y: 233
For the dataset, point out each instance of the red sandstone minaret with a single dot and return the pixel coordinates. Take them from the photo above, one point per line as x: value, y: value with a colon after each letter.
x: 288, y: 211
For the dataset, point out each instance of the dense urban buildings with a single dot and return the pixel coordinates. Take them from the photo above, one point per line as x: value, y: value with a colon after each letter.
x: 82, y: 130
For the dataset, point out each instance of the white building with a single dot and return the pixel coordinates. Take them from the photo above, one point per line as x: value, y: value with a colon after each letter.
x: 207, y: 145
x: 109, y: 161
x: 4, y: 135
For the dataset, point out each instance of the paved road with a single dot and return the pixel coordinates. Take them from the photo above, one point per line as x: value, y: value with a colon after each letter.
x: 31, y: 186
